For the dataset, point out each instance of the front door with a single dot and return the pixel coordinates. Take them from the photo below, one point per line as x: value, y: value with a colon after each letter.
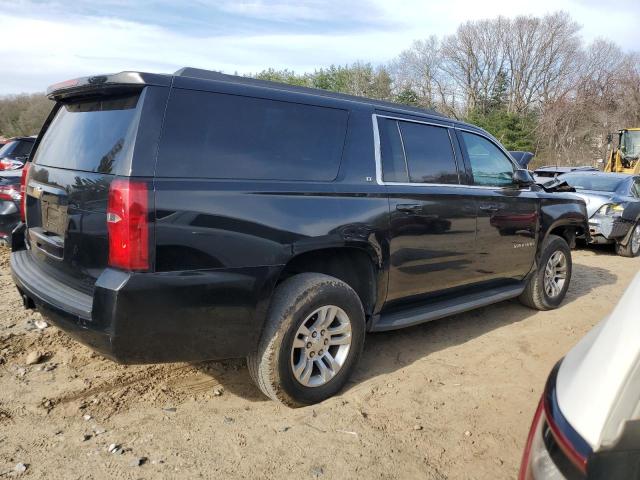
x: 507, y: 223
x: 432, y: 216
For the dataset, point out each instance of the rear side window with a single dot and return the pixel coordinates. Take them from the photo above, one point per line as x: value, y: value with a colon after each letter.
x: 91, y: 136
x: 416, y: 153
x: 212, y: 135
x: 429, y: 153
x: 394, y: 165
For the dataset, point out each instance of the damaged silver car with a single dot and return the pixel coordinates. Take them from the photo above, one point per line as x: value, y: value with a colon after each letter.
x: 613, y: 206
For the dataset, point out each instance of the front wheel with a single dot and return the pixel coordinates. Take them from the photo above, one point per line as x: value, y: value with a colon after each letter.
x: 548, y: 286
x: 632, y: 248
x: 313, y: 337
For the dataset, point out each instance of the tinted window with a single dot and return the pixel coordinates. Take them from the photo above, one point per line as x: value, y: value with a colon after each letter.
x: 215, y: 135
x: 16, y: 148
x: 6, y: 150
x: 489, y: 165
x: 23, y: 148
x: 429, y: 153
x: 394, y: 166
x: 91, y: 135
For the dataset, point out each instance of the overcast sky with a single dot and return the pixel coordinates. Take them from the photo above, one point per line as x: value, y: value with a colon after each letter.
x: 43, y: 42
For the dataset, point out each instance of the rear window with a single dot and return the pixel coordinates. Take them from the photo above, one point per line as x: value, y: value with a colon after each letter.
x: 16, y: 148
x: 91, y: 136
x: 212, y: 135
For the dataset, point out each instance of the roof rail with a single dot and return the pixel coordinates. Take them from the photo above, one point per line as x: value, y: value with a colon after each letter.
x: 223, y: 77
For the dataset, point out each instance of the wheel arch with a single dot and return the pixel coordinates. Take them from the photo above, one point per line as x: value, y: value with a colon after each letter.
x: 357, y: 267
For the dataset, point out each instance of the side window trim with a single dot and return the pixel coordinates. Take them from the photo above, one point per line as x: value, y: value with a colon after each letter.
x: 378, y: 149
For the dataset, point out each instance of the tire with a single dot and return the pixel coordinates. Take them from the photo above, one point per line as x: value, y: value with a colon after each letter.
x: 301, y: 300
x: 632, y: 249
x: 536, y: 295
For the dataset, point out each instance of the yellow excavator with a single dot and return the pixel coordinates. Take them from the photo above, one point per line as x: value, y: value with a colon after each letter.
x: 625, y: 157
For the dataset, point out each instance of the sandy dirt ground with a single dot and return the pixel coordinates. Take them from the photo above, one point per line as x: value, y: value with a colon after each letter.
x: 449, y: 399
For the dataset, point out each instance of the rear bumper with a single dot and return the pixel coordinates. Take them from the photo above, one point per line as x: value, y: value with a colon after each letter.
x: 605, y: 229
x: 155, y: 317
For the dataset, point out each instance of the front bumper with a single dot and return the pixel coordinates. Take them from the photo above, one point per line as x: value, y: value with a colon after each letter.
x: 155, y: 317
x: 608, y: 229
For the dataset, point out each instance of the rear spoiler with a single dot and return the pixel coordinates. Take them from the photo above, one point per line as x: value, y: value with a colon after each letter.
x: 99, y: 83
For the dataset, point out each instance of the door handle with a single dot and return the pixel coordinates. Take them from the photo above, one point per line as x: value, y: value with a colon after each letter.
x: 409, y: 207
x: 489, y: 208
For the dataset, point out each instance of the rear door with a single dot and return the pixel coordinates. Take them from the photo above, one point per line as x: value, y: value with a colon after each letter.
x: 507, y: 222
x: 87, y: 143
x: 432, y: 215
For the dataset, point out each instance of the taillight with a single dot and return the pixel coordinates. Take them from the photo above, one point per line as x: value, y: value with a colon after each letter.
x: 537, y: 464
x: 8, y: 164
x: 128, y: 224
x: 23, y: 190
x: 9, y: 192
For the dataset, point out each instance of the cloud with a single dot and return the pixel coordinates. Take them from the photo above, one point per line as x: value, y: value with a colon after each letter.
x: 50, y: 41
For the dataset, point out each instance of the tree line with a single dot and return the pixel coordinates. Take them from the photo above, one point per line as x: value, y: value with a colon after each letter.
x: 531, y: 81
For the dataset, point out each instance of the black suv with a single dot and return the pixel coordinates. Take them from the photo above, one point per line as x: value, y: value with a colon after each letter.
x: 204, y: 216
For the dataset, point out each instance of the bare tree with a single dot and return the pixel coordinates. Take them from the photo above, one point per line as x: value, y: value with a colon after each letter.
x: 473, y: 59
x: 542, y: 55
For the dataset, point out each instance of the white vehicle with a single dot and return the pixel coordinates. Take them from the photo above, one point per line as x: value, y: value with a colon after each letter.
x: 587, y: 425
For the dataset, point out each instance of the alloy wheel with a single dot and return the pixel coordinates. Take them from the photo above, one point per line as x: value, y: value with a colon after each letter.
x: 635, y: 239
x: 555, y: 274
x: 321, y: 346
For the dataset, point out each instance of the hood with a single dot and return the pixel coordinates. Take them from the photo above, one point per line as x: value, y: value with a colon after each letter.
x: 595, y: 199
x: 598, y: 384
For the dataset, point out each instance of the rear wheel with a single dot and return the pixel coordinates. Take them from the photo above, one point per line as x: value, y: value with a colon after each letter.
x: 548, y: 286
x: 632, y: 248
x: 312, y: 340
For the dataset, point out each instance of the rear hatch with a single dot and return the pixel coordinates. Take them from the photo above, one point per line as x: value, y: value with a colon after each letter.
x: 88, y: 142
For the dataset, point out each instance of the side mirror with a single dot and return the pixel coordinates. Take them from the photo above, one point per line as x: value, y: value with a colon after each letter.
x: 522, y: 158
x: 523, y: 178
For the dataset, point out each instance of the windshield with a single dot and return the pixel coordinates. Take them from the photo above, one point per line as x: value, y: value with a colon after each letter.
x: 598, y: 182
x: 16, y: 148
x: 631, y: 143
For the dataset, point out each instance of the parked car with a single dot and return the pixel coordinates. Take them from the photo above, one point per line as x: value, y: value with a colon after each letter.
x: 587, y: 425
x: 613, y: 206
x: 205, y: 216
x: 9, y: 204
x: 550, y: 173
x: 15, y: 152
